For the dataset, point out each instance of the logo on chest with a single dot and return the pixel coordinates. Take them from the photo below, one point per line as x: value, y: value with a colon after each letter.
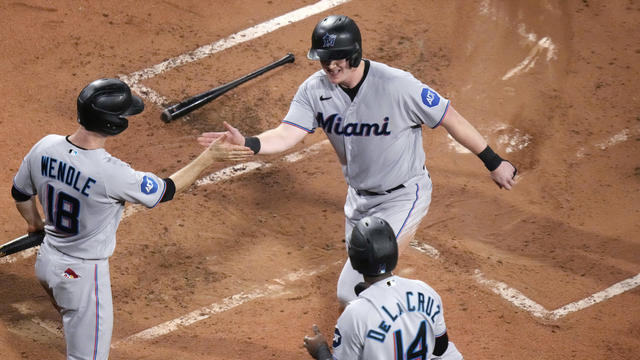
x: 333, y: 124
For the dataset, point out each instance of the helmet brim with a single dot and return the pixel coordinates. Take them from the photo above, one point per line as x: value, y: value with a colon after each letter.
x: 330, y: 54
x: 137, y: 106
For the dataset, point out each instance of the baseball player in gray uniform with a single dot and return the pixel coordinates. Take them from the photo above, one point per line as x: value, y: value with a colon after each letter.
x: 82, y: 190
x: 373, y: 116
x: 392, y: 317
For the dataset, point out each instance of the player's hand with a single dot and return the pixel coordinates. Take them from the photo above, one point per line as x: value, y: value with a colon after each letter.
x: 221, y: 150
x: 234, y: 136
x: 505, y: 175
x: 315, y: 342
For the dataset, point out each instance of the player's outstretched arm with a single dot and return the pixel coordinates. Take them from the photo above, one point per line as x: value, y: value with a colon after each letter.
x: 272, y: 141
x: 218, y: 150
x: 502, y: 171
x: 317, y: 346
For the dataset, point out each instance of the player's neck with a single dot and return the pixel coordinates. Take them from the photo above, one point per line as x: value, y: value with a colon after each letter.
x: 374, y: 279
x: 87, y: 139
x: 354, y: 77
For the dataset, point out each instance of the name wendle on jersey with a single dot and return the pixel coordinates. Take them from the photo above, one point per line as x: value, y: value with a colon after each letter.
x: 417, y: 302
x: 67, y: 174
x: 332, y: 124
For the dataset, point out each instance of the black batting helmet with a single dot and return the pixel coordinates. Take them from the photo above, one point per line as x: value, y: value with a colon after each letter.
x: 103, y: 105
x: 336, y: 37
x: 373, y: 249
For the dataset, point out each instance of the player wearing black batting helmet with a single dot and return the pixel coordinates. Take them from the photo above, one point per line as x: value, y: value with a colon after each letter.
x: 372, y: 114
x: 392, y: 317
x: 83, y: 189
x: 336, y: 37
x: 373, y: 249
x: 103, y: 105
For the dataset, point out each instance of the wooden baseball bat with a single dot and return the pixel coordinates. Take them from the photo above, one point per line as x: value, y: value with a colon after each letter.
x: 192, y: 103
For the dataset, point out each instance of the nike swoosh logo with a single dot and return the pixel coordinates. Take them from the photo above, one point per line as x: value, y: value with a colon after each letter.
x: 322, y: 98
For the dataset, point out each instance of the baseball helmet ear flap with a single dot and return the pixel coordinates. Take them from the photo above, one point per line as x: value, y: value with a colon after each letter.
x: 373, y: 249
x: 336, y: 37
x: 104, y: 104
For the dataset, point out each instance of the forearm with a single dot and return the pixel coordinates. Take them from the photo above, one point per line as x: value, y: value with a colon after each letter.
x: 280, y: 139
x: 463, y: 132
x: 184, y: 177
x: 29, y: 211
x: 503, y: 172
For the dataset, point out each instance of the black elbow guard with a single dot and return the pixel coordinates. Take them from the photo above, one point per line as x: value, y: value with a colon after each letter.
x: 442, y: 342
x: 19, y: 196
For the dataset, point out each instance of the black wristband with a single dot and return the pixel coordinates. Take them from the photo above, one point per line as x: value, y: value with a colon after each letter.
x: 490, y: 159
x: 253, y: 143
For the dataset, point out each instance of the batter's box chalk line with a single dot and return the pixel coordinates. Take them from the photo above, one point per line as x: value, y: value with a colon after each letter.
x: 521, y: 301
x: 226, y: 304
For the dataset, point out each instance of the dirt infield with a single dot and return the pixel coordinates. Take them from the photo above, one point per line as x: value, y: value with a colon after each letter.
x: 244, y: 266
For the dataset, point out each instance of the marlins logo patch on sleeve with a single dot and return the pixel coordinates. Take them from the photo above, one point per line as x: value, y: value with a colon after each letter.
x: 148, y: 185
x: 337, y: 338
x: 430, y: 97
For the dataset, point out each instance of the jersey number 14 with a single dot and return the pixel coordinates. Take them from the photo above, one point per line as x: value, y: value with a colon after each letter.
x: 418, y: 349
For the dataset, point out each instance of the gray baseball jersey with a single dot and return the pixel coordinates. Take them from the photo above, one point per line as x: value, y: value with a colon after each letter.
x: 82, y: 193
x: 395, y: 318
x: 377, y: 137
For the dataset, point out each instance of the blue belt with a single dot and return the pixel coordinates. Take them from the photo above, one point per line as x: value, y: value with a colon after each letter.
x: 373, y: 193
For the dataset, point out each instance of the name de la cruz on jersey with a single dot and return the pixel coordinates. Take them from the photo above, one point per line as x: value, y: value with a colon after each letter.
x: 333, y: 125
x: 417, y: 302
x: 67, y: 174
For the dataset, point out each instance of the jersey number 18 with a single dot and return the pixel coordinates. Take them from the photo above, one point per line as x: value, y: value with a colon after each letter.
x: 62, y: 210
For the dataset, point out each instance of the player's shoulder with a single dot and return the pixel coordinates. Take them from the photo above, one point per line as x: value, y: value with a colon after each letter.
x: 417, y: 285
x: 51, y: 139
x: 111, y: 160
x: 317, y: 80
x: 48, y: 141
x: 389, y: 73
x: 358, y: 307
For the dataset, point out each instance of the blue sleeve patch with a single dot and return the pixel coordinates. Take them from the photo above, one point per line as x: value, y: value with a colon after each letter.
x: 337, y: 338
x: 148, y: 186
x: 430, y: 97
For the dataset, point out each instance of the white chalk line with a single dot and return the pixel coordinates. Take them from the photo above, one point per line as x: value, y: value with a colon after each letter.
x: 213, y: 178
x: 616, y: 289
x: 512, y: 295
x: 147, y: 93
x: 51, y: 326
x: 19, y: 256
x: 156, y: 98
x: 232, y: 40
x: 425, y: 248
x: 614, y: 140
x: 530, y: 60
x: 521, y: 301
x: 215, y: 308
